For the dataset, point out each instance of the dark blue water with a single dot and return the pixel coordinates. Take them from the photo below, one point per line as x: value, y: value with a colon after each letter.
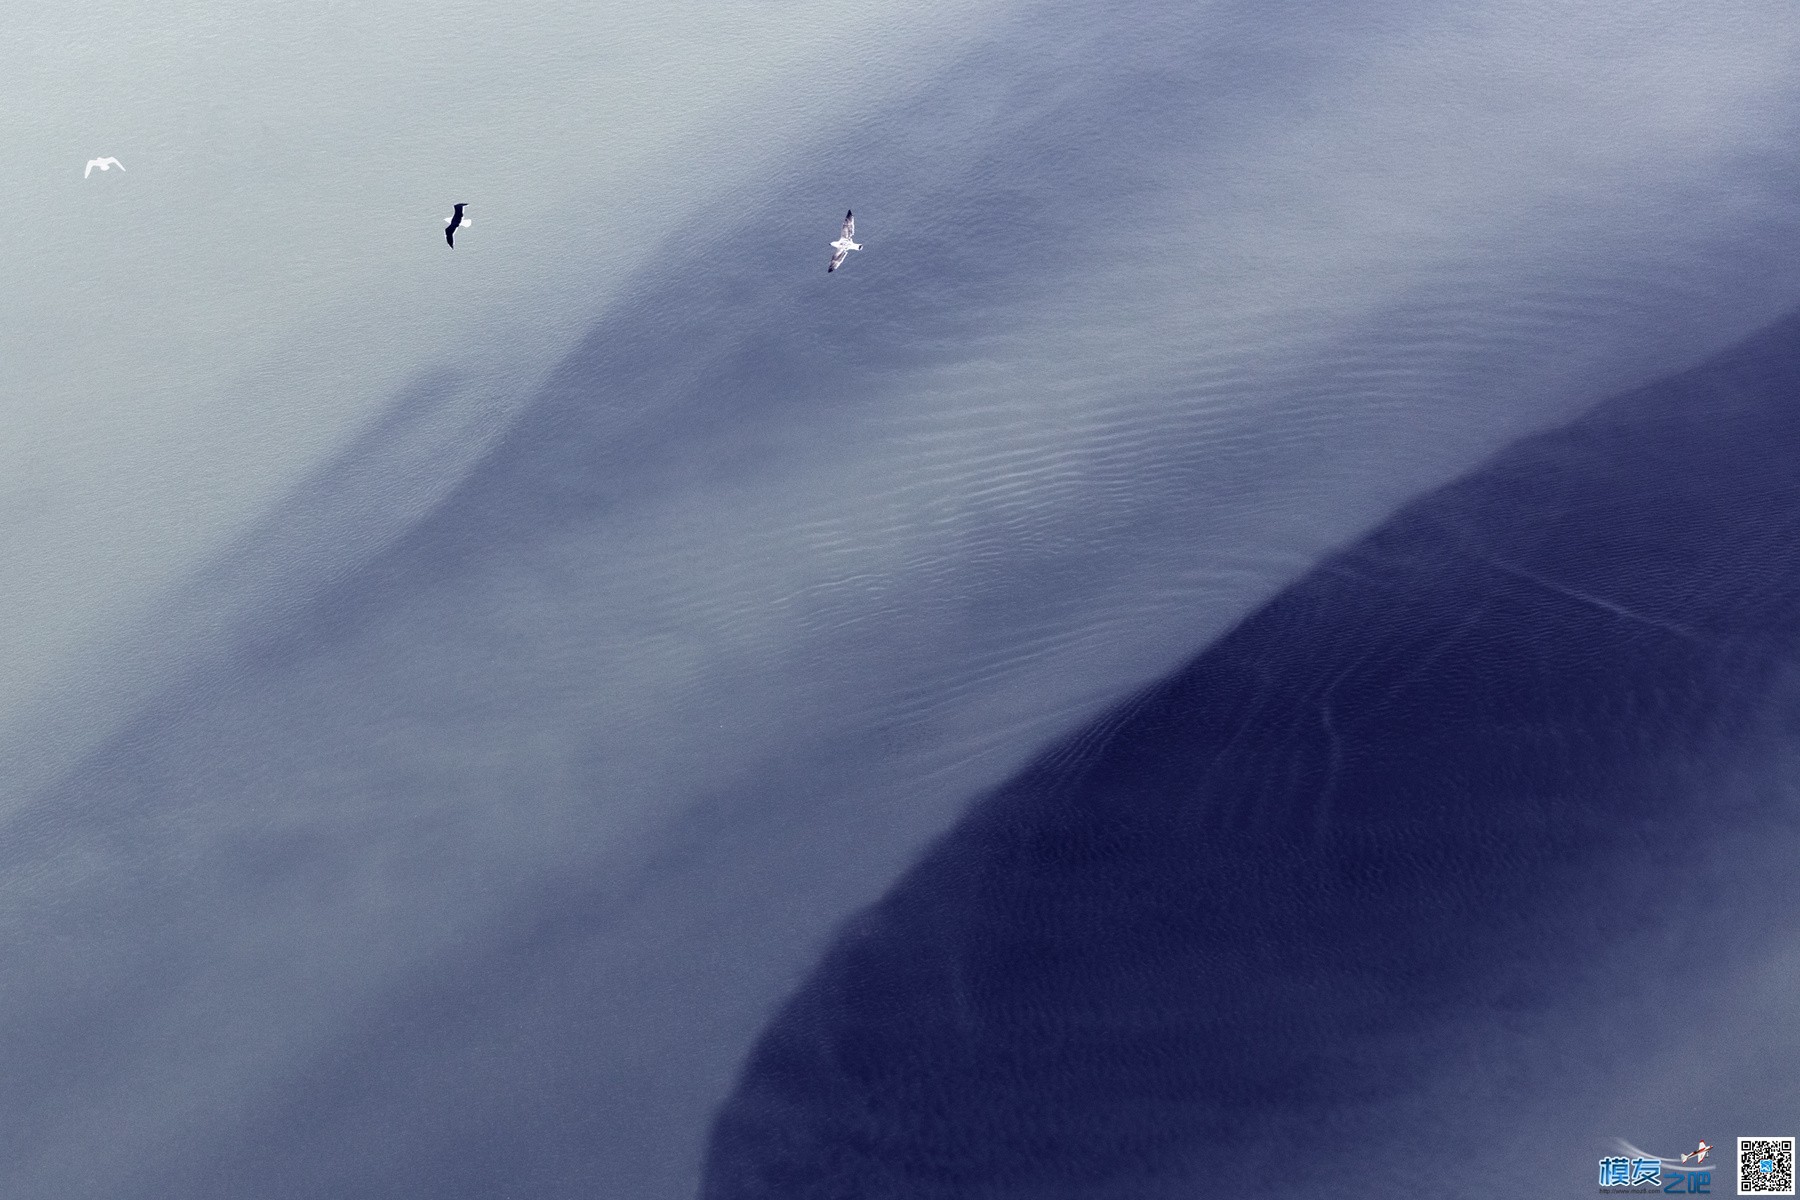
x: 1446, y: 839
x: 487, y: 798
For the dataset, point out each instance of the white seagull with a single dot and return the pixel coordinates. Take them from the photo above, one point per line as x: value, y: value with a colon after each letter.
x: 105, y: 164
x: 843, y: 246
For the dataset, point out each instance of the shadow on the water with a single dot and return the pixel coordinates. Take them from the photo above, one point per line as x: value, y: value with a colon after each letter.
x: 1410, y: 819
x: 702, y: 376
x: 336, y: 937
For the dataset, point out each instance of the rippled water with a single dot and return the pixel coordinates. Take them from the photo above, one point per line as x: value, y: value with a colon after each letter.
x: 1479, y: 835
x: 456, y: 807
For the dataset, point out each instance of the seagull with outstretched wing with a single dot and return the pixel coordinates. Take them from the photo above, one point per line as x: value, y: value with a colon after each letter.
x: 845, y: 244
x: 105, y: 164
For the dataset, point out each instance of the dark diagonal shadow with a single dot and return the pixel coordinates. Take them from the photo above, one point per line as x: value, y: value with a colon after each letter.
x: 1443, y: 810
x: 739, y: 337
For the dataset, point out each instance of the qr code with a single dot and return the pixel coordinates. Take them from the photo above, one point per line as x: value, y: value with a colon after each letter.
x: 1766, y: 1166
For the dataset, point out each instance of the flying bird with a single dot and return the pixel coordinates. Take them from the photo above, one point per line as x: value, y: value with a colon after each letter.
x: 105, y: 164
x: 450, y: 226
x: 843, y: 246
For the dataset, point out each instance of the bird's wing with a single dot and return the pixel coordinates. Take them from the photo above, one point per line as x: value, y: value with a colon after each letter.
x: 115, y: 162
x: 89, y: 171
x: 837, y: 260
x: 849, y: 226
x: 450, y: 238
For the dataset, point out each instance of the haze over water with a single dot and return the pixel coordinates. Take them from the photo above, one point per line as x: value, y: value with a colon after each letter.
x: 455, y: 698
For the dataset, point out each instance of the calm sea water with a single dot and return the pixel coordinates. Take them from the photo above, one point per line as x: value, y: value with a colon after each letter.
x: 1480, y: 836
x: 462, y: 693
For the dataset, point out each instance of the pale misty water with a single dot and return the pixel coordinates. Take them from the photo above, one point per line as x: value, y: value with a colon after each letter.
x: 464, y: 697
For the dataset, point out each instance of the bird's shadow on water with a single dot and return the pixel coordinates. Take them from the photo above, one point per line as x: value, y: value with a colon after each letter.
x: 1432, y: 786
